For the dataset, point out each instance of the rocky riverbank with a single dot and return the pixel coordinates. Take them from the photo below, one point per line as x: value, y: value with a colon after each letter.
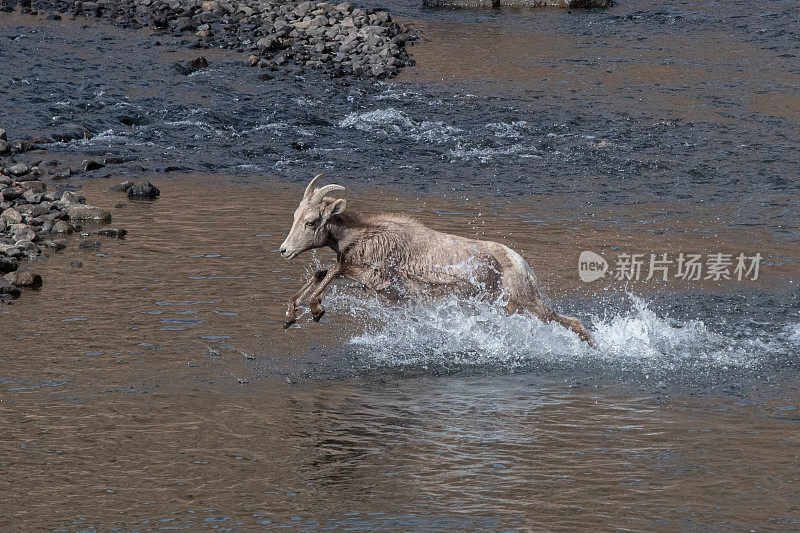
x: 35, y: 219
x: 337, y: 38
x: 565, y: 4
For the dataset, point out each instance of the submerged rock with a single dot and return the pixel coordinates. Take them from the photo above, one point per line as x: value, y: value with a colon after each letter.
x: 72, y: 132
x: 21, y: 146
x: 122, y: 187
x: 144, y: 191
x: 114, y: 233
x: 190, y: 66
x: 90, y: 245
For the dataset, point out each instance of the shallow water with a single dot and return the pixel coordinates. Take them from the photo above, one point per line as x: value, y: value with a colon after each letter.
x: 154, y: 388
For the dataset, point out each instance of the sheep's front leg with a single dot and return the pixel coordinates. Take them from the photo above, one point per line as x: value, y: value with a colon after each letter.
x: 291, y: 311
x: 316, y: 297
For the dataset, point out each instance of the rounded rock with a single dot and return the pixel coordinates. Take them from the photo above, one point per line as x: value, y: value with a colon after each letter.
x: 144, y: 191
x: 11, y: 215
x: 88, y: 212
x: 24, y: 279
x: 19, y: 169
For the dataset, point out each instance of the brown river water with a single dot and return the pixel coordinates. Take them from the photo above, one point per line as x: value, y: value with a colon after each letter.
x: 154, y: 388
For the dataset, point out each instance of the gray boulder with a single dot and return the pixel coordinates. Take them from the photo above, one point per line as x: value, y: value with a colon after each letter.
x: 88, y: 212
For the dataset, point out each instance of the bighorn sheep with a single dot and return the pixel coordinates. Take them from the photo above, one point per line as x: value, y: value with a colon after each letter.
x: 395, y: 255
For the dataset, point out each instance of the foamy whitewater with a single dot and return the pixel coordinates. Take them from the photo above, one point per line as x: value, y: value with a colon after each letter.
x: 391, y: 122
x: 456, y: 333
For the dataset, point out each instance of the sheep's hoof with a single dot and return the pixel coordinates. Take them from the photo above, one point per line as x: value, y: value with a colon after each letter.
x: 288, y: 323
x: 318, y: 316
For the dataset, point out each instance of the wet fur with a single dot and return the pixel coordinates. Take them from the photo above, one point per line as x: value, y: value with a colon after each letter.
x: 397, y: 256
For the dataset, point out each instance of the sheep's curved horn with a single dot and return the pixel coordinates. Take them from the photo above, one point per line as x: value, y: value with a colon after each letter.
x: 310, y: 188
x: 319, y: 194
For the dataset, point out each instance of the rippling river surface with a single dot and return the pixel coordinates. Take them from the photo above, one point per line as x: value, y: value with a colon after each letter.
x: 154, y: 388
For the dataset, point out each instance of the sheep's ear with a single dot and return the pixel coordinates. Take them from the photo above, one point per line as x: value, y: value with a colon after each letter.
x: 335, y: 208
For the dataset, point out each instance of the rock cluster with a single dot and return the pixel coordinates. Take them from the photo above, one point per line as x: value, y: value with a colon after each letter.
x: 32, y: 219
x: 337, y: 37
x: 566, y: 4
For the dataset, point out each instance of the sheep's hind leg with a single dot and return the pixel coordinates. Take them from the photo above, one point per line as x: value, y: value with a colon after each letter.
x: 291, y: 311
x: 548, y: 315
x: 572, y: 323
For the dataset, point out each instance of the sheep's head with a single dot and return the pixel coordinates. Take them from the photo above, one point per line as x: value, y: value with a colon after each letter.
x: 310, y: 226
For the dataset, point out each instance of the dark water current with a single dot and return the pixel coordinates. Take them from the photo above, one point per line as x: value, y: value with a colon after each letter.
x: 154, y: 389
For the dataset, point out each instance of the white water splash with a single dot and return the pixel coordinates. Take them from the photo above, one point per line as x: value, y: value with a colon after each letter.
x: 111, y: 137
x: 455, y: 332
x: 792, y: 332
x: 513, y: 130
x: 487, y: 154
x: 391, y: 121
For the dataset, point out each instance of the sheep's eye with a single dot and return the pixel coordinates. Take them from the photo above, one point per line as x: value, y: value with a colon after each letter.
x: 310, y: 224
